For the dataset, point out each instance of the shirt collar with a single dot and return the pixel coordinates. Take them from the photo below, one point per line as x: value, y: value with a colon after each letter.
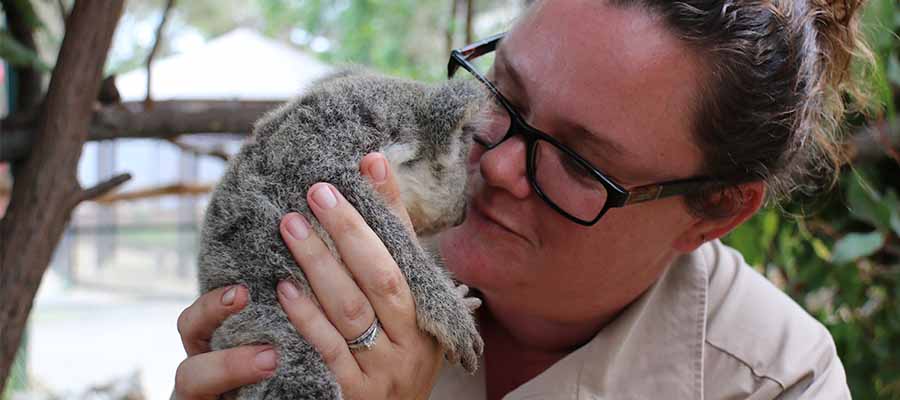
x: 654, y: 349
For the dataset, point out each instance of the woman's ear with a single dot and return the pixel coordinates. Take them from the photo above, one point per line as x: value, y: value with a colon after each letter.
x: 738, y: 203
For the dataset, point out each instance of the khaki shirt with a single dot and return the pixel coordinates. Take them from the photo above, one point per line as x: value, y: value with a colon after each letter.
x: 711, y: 328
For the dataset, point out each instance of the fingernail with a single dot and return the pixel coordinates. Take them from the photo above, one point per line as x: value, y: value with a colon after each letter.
x: 297, y: 226
x: 324, y: 198
x: 228, y: 297
x: 265, y: 360
x: 379, y: 171
x: 288, y: 290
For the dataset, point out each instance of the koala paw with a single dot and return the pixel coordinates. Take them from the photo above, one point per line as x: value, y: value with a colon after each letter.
x: 454, y: 328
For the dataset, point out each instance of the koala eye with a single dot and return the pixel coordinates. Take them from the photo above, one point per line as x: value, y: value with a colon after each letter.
x: 469, y: 129
x: 412, y: 162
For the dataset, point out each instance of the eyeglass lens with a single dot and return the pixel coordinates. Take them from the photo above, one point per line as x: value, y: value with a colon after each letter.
x: 562, y: 179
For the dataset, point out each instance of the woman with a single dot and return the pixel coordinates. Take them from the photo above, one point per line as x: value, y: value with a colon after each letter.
x: 596, y: 279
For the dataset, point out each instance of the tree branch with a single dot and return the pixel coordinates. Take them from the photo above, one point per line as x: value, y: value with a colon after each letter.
x: 167, y: 119
x: 45, y: 184
x: 102, y: 188
x: 166, y: 190
x: 159, y: 35
x: 216, y: 152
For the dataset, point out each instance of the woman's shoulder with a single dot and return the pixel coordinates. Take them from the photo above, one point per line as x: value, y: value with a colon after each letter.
x: 760, y: 339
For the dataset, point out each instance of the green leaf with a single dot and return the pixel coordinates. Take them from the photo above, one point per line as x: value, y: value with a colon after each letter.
x: 26, y: 11
x: 877, y: 21
x: 895, y: 222
x: 881, y: 84
x: 769, y: 227
x: 821, y: 249
x: 867, y: 205
x: 14, y: 53
x: 891, y: 200
x: 856, y: 245
x: 893, y: 69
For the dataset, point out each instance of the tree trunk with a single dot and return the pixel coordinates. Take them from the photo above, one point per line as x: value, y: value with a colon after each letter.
x: 45, y: 187
x: 470, y: 14
x: 451, y: 25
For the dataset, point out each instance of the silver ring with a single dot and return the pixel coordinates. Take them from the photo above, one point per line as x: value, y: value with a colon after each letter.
x: 367, y: 339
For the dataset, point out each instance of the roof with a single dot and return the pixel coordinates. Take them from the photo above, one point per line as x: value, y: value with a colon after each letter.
x: 241, y: 64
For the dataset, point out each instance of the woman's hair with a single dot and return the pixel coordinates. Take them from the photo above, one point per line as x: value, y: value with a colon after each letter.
x: 779, y: 81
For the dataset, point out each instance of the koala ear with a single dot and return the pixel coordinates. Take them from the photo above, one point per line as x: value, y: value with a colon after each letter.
x: 452, y: 103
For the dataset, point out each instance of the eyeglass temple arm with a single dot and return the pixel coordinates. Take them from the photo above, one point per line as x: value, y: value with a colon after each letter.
x: 473, y: 51
x: 652, y: 192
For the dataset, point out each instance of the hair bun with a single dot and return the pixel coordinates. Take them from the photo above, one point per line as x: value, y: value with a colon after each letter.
x: 837, y: 23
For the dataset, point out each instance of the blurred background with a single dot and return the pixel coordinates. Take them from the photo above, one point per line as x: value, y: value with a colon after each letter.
x: 103, y: 321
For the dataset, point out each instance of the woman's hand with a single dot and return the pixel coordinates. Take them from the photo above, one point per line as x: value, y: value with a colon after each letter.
x: 205, y: 374
x: 403, y: 362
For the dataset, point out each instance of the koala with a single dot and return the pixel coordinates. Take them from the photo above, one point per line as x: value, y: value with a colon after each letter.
x: 424, y: 131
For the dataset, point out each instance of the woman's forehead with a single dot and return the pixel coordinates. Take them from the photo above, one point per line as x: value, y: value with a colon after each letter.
x: 615, y: 71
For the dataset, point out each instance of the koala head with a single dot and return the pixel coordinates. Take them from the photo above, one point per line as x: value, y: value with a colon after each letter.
x: 432, y: 171
x: 427, y: 134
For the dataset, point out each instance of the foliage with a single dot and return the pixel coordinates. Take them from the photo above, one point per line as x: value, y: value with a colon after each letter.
x: 881, y: 20
x: 385, y: 34
x: 401, y: 37
x: 14, y: 52
x: 840, y: 256
x: 842, y: 262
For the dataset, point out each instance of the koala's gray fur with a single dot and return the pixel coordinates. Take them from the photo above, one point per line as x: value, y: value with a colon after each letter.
x: 424, y: 131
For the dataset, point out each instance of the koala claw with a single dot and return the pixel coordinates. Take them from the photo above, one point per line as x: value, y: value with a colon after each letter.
x: 472, y: 303
x: 469, y: 360
x: 455, y: 329
x: 467, y: 349
x: 466, y: 352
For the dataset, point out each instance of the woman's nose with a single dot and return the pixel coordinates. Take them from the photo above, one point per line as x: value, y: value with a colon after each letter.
x: 503, y: 167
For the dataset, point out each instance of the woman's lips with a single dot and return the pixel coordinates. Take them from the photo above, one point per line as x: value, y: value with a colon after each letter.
x: 479, y: 211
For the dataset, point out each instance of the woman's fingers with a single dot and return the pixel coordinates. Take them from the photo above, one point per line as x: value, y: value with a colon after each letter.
x: 340, y: 297
x: 208, y: 375
x: 360, y: 283
x: 197, y: 323
x: 365, y: 256
x: 379, y: 172
x: 313, y: 325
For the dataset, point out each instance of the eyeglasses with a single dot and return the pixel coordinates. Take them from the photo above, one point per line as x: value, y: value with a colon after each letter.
x: 561, y: 177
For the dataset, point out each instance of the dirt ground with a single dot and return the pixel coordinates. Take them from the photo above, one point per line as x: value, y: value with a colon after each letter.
x: 84, y: 336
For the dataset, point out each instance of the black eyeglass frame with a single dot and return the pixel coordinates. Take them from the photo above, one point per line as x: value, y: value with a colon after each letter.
x: 617, y: 195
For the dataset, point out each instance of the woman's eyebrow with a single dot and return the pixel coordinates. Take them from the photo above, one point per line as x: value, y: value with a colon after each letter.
x: 509, y: 71
x: 584, y: 142
x: 596, y: 143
